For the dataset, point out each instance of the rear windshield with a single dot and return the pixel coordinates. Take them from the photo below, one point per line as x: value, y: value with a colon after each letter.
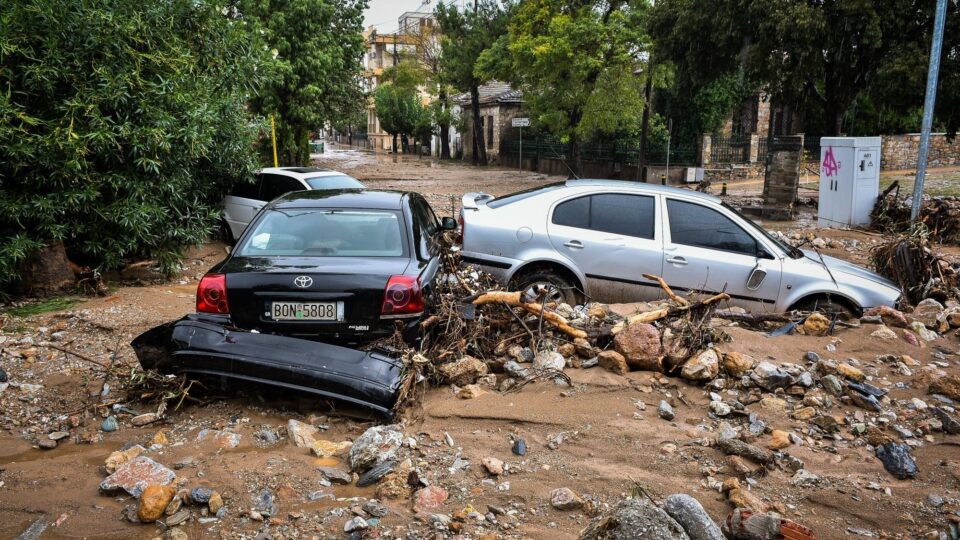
x: 325, y: 233
x: 334, y: 182
x: 525, y: 194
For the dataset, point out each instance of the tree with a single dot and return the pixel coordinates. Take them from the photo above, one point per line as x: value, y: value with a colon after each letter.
x: 428, y: 56
x: 122, y: 124
x: 318, y: 46
x: 818, y: 56
x: 401, y: 113
x: 465, y: 36
x: 576, y: 63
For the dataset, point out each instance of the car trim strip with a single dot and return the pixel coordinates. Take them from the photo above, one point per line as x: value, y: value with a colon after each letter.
x: 485, y: 262
x: 682, y: 289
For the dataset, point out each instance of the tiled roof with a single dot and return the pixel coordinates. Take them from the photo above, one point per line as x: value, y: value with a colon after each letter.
x: 492, y: 92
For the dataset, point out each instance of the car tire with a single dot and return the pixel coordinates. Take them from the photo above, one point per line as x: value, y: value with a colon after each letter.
x: 828, y: 306
x: 558, y: 288
x: 226, y: 234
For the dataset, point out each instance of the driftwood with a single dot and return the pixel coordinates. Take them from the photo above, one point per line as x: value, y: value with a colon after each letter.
x: 666, y: 288
x: 513, y: 299
x: 752, y: 318
x: 662, y: 313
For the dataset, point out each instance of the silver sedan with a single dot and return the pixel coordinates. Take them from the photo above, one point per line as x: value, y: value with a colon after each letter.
x: 596, y: 238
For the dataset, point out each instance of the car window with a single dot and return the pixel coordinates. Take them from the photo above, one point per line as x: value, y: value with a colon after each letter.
x: 325, y: 233
x: 695, y: 225
x: 616, y: 213
x: 247, y: 190
x: 425, y: 226
x: 334, y: 182
x: 275, y: 185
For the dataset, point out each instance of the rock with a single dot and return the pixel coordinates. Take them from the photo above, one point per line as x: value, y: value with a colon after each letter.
x: 336, y: 476
x: 949, y: 422
x: 137, y: 474
x: 374, y: 475
x: 897, y: 460
x: 174, y: 505
x: 267, y: 436
x: 266, y: 503
x: 922, y: 331
x: 201, y: 495
x: 160, y: 439
x: 493, y: 465
x: 464, y: 371
x: 743, y: 524
x: 640, y: 346
x: 583, y: 348
x: 778, y: 440
x: 927, y: 312
x: 743, y: 498
x: 355, y: 524
x: 614, y: 362
x: 324, y: 449
x: 429, y: 498
x: 597, y: 310
x: 215, y: 503
x: 118, y: 458
x: 153, y: 502
x: 177, y: 518
x: 736, y: 364
x: 565, y: 499
x: 770, y: 377
x: 705, y: 366
x: 634, y: 519
x: 737, y: 447
x: 549, y: 360
x: 812, y: 357
x: 816, y: 324
x: 524, y: 355
x: 515, y: 370
x: 47, y: 443
x: 221, y: 438
x: 911, y: 338
x: 394, y: 486
x: 376, y: 445
x: 832, y: 385
x: 301, y: 434
x: 804, y: 478
x: 948, y: 386
x: 889, y: 316
x: 720, y: 408
x: 109, y: 424
x: 3, y: 376
x: 470, y: 391
x: 689, y: 513
x: 519, y: 447
x: 665, y: 411
x: 145, y: 419
x: 58, y: 435
x: 850, y: 372
x: 884, y: 332
x: 567, y: 350
x: 375, y: 509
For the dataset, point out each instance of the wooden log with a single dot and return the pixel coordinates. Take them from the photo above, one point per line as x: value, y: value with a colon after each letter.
x: 509, y: 298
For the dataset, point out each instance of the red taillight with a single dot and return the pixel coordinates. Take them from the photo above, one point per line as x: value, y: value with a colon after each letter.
x: 402, y: 296
x: 463, y: 229
x: 212, y: 294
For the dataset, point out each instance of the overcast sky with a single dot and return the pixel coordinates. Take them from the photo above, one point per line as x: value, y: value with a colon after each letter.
x: 384, y: 13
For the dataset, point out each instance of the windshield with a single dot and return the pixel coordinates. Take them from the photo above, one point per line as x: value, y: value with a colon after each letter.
x: 334, y: 182
x: 325, y: 233
x: 793, y: 252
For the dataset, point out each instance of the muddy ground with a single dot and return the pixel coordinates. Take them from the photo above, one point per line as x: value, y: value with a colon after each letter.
x: 614, y: 443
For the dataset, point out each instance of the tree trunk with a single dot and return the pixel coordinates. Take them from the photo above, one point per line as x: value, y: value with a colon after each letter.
x: 46, y: 271
x: 444, y: 126
x: 645, y: 125
x: 480, y: 147
x: 405, y: 142
x: 575, y: 157
x: 394, y: 145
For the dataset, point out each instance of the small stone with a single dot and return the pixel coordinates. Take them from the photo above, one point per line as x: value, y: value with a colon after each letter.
x: 153, y: 501
x: 375, y: 509
x: 665, y: 411
x: 137, y: 474
x: 583, y: 348
x: 884, y: 332
x: 565, y: 499
x: 325, y: 449
x: 804, y: 478
x: 470, y: 391
x: 201, y: 495
x: 3, y: 376
x: 176, y: 534
x: 703, y: 367
x: 221, y: 438
x: 118, y: 458
x: 515, y: 370
x: 47, y: 444
x: 614, y: 362
x: 301, y: 434
x: 890, y: 316
x: 832, y: 385
x: 567, y: 350
x: 549, y: 360
x: 493, y: 465
x: 804, y: 413
x: 58, y: 436
x: 948, y: 386
x: 897, y: 460
x: 177, y: 518
x: 376, y: 445
x: 778, y: 440
x: 336, y: 476
x: 109, y: 424
x: 463, y: 371
x: 770, y: 377
x: 689, y: 513
x: 922, y: 331
x: 736, y: 364
x: 355, y: 524
x: 816, y: 324
x: 160, y: 439
x: 145, y: 419
x: 429, y: 498
x: 850, y: 372
x: 519, y: 447
x: 720, y: 408
x: 634, y: 519
x: 811, y: 357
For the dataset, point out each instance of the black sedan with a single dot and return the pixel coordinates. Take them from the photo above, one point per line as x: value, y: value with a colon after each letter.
x: 314, y: 271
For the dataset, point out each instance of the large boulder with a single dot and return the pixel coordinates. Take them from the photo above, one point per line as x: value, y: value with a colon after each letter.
x: 927, y: 312
x: 464, y: 371
x: 634, y: 519
x: 640, y: 345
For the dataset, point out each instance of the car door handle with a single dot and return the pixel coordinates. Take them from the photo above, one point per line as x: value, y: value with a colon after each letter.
x: 575, y: 244
x: 680, y: 261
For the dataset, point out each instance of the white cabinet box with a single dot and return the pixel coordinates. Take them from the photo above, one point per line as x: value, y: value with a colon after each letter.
x: 849, y: 180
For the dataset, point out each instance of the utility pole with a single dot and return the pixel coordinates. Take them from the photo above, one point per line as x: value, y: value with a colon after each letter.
x: 928, y: 104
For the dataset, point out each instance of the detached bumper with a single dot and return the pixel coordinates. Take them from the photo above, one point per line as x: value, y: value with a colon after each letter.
x: 193, y: 345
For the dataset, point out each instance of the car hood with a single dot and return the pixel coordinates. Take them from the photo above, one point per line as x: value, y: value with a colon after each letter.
x: 840, y: 266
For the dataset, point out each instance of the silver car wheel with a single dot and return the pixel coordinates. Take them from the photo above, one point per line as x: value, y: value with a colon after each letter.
x: 544, y: 290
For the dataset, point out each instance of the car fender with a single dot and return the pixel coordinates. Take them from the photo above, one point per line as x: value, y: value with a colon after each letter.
x: 820, y: 289
x: 540, y: 256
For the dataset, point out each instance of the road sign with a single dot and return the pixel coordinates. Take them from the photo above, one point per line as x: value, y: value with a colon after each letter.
x: 521, y: 122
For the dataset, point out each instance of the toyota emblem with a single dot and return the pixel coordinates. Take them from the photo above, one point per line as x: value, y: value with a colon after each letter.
x: 303, y: 281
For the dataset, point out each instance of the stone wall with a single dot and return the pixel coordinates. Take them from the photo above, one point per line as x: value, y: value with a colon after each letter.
x: 900, y: 151
x: 502, y: 114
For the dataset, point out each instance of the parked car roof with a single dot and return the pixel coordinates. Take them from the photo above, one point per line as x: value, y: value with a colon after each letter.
x: 300, y: 172
x: 342, y: 198
x: 622, y: 184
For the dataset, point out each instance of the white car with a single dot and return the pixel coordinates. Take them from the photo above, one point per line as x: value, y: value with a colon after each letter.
x: 247, y: 198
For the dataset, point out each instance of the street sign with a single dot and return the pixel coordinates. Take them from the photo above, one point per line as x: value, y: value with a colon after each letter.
x: 521, y: 122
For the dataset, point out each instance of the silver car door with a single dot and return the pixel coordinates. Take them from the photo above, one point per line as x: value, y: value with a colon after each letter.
x: 613, y: 238
x: 706, y: 250
x: 242, y: 204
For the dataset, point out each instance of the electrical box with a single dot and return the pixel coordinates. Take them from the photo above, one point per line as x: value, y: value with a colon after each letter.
x: 849, y: 180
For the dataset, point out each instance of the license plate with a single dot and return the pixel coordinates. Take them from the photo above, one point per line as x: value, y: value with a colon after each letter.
x: 306, y: 311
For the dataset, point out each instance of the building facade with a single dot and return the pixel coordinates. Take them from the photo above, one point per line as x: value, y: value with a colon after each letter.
x: 499, y: 104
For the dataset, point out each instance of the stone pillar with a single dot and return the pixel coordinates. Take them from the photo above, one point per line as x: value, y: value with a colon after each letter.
x: 782, y: 177
x: 706, y: 147
x: 754, y: 148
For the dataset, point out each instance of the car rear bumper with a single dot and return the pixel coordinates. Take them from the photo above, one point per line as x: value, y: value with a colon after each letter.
x: 204, y: 346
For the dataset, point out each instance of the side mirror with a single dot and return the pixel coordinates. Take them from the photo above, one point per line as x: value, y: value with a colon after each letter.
x: 448, y: 224
x: 763, y: 254
x: 757, y: 276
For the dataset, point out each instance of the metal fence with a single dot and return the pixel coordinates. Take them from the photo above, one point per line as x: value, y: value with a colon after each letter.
x: 616, y: 151
x: 734, y: 149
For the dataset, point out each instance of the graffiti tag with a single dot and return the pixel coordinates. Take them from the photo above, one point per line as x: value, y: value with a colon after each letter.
x: 830, y: 165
